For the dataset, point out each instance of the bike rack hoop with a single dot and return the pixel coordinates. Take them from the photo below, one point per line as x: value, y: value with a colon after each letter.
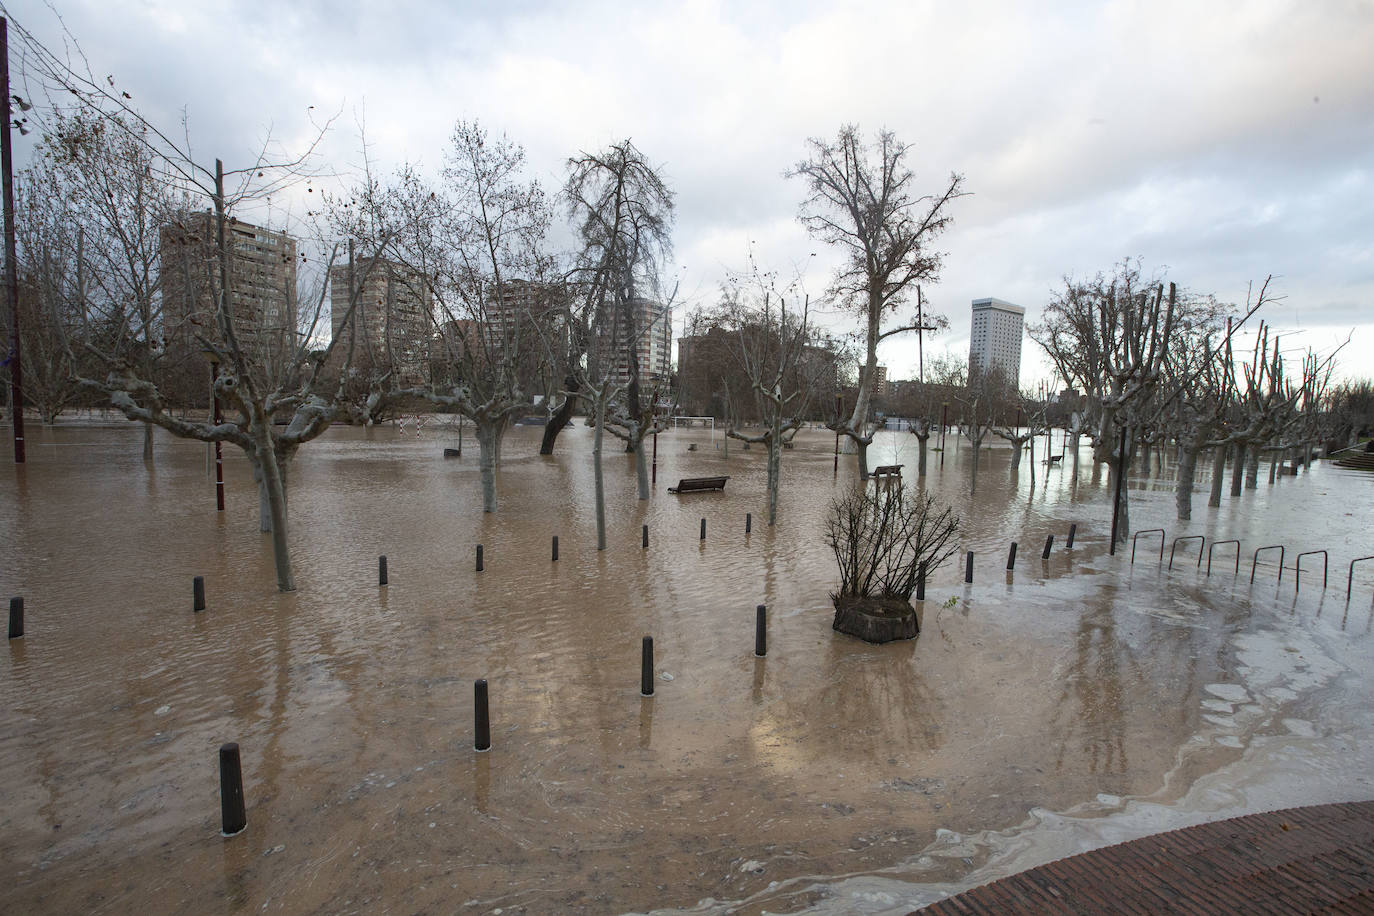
x: 1214, y: 546
x: 1187, y: 537
x: 1255, y: 559
x: 1158, y: 531
x: 1297, y: 568
x: 1350, y: 577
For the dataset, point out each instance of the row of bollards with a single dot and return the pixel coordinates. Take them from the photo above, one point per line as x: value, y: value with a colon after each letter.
x: 1011, y: 560
x: 383, y: 578
x: 382, y: 569
x: 233, y: 811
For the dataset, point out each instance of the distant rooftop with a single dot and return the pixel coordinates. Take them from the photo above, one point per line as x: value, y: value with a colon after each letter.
x: 999, y: 304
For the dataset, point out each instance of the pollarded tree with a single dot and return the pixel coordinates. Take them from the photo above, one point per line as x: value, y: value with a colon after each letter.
x: 473, y: 247
x: 277, y: 398
x: 862, y: 200
x: 1109, y: 336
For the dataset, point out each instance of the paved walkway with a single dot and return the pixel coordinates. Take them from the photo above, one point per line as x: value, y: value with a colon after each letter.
x: 1302, y: 860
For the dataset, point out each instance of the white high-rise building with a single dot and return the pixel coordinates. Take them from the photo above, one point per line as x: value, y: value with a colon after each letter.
x: 995, y: 341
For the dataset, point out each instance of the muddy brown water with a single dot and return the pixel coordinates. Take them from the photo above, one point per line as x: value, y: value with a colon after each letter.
x: 745, y: 784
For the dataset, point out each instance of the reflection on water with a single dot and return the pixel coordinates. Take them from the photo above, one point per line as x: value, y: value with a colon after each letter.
x: 764, y: 780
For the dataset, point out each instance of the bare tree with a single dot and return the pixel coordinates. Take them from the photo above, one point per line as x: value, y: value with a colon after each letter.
x: 771, y: 347
x: 474, y: 244
x: 1109, y: 337
x: 861, y: 199
x: 288, y: 385
x: 622, y: 211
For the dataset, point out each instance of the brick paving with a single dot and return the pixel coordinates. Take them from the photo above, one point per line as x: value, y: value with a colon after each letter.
x: 1301, y: 860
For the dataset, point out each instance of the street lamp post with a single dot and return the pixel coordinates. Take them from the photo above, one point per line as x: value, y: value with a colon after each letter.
x: 944, y: 424
x: 213, y: 357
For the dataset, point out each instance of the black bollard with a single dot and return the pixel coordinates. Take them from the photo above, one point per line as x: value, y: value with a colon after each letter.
x: 16, y: 618
x: 555, y: 548
x: 479, y: 557
x: 703, y: 529
x: 1011, y: 557
x: 198, y: 593
x: 646, y: 537
x: 646, y: 668
x: 921, y: 583
x: 748, y: 522
x: 1073, y: 529
x: 381, y: 570
x: 1049, y: 542
x: 235, y: 816
x: 481, y: 716
x: 968, y: 567
x: 761, y: 630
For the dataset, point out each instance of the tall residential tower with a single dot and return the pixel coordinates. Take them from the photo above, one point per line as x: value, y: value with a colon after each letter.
x: 995, y: 342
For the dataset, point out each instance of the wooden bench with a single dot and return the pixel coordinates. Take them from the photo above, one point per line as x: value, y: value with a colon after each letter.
x: 453, y: 453
x: 695, y: 484
x: 888, y: 470
x: 1054, y: 459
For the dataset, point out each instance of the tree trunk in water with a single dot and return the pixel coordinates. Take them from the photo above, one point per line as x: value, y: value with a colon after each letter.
x: 1252, y: 467
x: 1218, y: 475
x: 1273, y: 465
x: 488, y: 450
x: 1187, y: 471
x: 1238, y: 472
x: 597, y: 438
x: 973, y: 488
x: 862, y: 448
x: 774, y: 474
x: 1123, y: 520
x: 921, y: 461
x: 560, y: 419
x: 641, y: 464
x: 1015, y: 455
x: 272, y: 490
x: 147, y: 441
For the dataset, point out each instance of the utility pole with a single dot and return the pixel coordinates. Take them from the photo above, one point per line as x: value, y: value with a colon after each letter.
x: 11, y: 267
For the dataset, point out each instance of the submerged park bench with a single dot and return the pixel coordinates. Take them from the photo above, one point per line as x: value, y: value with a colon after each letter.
x: 887, y: 470
x: 694, y: 484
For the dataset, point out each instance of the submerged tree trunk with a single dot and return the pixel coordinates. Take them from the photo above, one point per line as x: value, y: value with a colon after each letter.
x: 147, y: 441
x: 488, y: 454
x: 271, y: 476
x: 561, y: 417
x: 641, y: 461
x: 1187, y: 471
x: 598, y: 438
x: 1218, y: 475
x: 1252, y: 467
x: 921, y: 453
x: 1238, y: 472
x: 774, y: 472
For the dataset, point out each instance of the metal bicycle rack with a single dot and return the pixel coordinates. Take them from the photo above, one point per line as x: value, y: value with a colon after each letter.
x: 1279, y: 547
x: 1214, y: 546
x: 1187, y: 537
x: 1158, y: 531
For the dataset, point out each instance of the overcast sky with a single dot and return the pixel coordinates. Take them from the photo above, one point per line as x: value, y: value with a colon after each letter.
x: 1220, y: 142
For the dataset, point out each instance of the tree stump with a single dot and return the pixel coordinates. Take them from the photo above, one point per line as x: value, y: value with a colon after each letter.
x: 875, y: 620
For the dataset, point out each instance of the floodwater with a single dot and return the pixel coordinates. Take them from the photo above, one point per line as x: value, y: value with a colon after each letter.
x: 1077, y: 701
